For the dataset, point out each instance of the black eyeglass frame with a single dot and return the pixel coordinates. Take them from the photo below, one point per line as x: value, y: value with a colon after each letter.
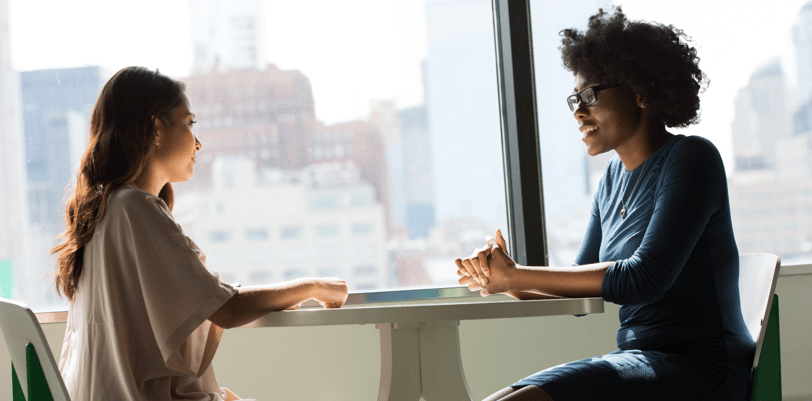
x: 572, y: 100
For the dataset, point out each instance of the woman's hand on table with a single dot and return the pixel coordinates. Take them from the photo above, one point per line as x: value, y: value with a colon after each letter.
x: 488, y: 269
x: 331, y: 292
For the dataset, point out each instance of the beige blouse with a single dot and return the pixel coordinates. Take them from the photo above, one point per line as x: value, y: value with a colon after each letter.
x: 137, y: 327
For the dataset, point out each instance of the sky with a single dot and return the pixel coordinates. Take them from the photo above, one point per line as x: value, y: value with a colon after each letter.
x: 348, y: 56
x: 357, y: 50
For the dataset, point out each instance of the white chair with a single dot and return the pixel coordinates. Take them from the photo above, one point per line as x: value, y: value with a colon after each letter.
x: 758, y: 274
x: 38, y: 371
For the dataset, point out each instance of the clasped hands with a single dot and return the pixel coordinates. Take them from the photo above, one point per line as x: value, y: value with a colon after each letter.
x: 489, y: 269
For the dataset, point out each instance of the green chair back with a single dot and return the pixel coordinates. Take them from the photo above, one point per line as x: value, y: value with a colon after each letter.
x: 758, y: 276
x: 38, y: 378
x: 766, y: 381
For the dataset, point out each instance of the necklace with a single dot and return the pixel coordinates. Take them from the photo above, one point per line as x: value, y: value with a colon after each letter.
x: 642, y: 171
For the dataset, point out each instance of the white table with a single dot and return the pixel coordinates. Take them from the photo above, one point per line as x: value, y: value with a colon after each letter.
x: 420, y: 349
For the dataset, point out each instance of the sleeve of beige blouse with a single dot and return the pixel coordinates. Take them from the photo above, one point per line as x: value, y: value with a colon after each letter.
x: 178, y: 292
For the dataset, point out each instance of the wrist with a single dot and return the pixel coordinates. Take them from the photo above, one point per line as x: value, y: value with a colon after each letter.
x: 515, y: 279
x: 308, y: 285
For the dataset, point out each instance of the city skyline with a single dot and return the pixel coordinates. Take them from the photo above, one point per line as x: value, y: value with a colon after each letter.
x: 406, y: 49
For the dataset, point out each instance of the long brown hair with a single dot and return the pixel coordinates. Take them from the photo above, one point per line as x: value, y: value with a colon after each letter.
x: 122, y: 127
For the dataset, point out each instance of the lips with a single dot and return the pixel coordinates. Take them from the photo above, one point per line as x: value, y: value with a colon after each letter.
x: 586, y: 129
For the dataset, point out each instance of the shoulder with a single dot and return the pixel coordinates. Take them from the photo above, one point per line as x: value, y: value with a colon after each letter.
x: 131, y: 203
x: 694, y: 152
x: 130, y: 197
x: 694, y: 146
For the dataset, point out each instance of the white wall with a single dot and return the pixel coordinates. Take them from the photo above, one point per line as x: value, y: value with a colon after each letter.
x: 342, y: 362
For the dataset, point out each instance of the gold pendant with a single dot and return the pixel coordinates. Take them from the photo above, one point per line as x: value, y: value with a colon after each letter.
x: 623, y: 212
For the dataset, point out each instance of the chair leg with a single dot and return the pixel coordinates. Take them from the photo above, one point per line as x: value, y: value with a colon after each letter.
x: 767, y: 376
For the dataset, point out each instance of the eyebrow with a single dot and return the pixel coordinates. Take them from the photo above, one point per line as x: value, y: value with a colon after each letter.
x: 585, y: 86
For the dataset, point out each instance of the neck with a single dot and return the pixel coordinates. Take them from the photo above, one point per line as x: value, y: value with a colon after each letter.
x: 638, y: 148
x: 149, y: 181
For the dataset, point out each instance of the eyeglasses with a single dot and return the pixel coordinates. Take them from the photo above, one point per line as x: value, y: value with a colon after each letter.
x: 587, y: 96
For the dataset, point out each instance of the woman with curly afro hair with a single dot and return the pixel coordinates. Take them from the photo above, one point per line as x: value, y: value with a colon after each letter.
x: 660, y: 239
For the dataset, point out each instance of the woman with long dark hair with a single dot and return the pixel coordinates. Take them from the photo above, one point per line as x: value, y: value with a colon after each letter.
x: 660, y: 239
x: 145, y: 315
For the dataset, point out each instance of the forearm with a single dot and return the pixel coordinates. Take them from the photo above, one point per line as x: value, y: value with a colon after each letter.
x: 571, y: 282
x: 251, y: 303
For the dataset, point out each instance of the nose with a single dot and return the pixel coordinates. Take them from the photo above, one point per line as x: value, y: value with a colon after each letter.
x: 198, y: 145
x: 581, y: 111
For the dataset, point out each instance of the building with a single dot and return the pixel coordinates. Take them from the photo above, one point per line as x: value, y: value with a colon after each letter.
x: 419, y: 171
x: 357, y: 144
x: 57, y: 105
x: 272, y: 225
x: 228, y: 34
x: 772, y: 215
x: 761, y: 119
x: 266, y: 115
x: 56, y: 112
x: 771, y: 189
x: 384, y: 115
x: 802, y: 40
x: 14, y: 228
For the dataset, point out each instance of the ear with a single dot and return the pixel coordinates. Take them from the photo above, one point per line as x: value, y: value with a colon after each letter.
x: 159, y: 128
x: 638, y: 99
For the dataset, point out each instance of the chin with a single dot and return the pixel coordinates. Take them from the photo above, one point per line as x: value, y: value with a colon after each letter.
x: 184, y: 178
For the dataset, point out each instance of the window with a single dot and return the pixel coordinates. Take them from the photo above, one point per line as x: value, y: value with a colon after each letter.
x: 291, y: 232
x: 325, y: 201
x: 220, y: 236
x: 379, y: 139
x: 761, y: 132
x: 256, y: 234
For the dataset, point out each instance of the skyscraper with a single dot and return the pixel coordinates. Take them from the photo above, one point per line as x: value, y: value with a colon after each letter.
x: 384, y: 114
x: 761, y: 120
x: 408, y: 165
x: 267, y: 115
x: 57, y: 105
x: 802, y: 38
x: 419, y: 171
x: 229, y: 34
x: 14, y: 228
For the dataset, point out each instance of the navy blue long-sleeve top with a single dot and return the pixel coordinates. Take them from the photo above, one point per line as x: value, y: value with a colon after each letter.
x: 676, y: 264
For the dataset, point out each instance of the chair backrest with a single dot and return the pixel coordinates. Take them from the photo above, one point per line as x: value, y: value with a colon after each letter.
x: 21, y: 330
x: 758, y: 274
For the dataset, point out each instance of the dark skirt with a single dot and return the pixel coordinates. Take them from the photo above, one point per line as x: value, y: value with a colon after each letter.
x: 698, y: 374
